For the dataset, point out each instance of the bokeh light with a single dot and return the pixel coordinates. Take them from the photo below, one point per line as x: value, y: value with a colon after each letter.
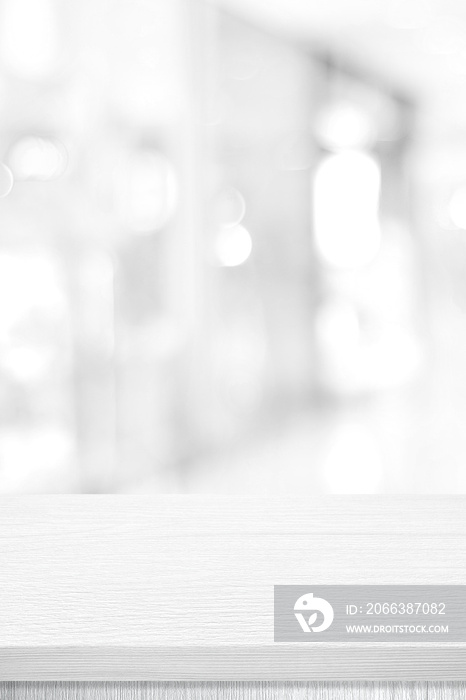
x: 35, y: 158
x: 344, y: 125
x: 229, y: 207
x: 233, y: 246
x: 6, y: 180
x: 147, y: 147
x: 346, y: 201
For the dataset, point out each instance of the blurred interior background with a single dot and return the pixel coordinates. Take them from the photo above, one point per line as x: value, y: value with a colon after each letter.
x: 232, y: 246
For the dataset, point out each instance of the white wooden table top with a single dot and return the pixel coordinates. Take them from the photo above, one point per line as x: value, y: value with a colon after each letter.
x: 174, y: 587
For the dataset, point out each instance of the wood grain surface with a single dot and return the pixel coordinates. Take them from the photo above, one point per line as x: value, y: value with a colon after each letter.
x: 231, y: 691
x: 222, y: 691
x: 179, y: 587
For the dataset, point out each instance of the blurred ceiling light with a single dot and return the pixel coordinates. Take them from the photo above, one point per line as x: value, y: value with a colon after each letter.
x: 34, y: 158
x: 346, y: 202
x: 354, y: 463
x: 457, y: 207
x: 29, y: 37
x: 229, y: 207
x: 6, y: 180
x: 147, y: 190
x: 233, y: 246
x: 344, y: 125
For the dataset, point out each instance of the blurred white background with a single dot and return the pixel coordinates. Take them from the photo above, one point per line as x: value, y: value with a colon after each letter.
x: 232, y: 246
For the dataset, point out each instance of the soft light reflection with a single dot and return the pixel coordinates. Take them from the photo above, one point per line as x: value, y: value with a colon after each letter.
x: 353, y: 464
x: 28, y: 363
x: 346, y: 201
x: 394, y: 359
x: 35, y: 459
x: 28, y: 37
x: 358, y: 358
x: 6, y: 180
x: 233, y: 246
x: 344, y: 125
x: 28, y: 281
x: 35, y: 158
x: 229, y: 207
